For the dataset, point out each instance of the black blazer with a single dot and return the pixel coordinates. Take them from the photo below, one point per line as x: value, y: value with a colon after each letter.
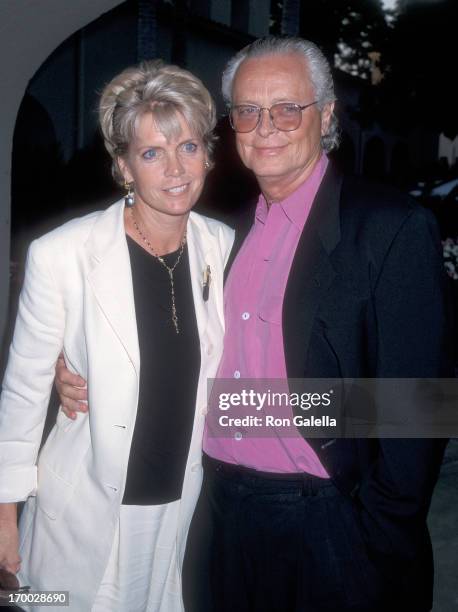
x: 366, y: 298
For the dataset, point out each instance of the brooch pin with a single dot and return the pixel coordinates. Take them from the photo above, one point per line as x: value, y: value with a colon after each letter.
x: 206, y: 284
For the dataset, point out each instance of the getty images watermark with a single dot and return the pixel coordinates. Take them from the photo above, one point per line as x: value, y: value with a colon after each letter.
x: 321, y: 408
x: 269, y: 400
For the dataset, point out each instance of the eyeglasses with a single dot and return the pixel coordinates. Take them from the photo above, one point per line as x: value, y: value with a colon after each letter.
x: 285, y: 116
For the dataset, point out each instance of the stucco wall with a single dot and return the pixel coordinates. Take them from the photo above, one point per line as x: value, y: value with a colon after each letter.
x: 29, y: 31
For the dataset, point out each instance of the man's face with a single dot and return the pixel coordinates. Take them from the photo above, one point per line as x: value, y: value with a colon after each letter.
x: 274, y: 155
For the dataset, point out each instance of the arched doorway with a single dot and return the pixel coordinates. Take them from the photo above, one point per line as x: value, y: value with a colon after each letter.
x: 28, y: 37
x: 400, y: 164
x: 35, y: 171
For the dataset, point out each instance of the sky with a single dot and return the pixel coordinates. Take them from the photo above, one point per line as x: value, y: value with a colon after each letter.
x: 388, y: 4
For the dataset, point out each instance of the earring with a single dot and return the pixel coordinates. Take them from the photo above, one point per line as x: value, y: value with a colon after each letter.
x: 207, y: 164
x: 129, y: 199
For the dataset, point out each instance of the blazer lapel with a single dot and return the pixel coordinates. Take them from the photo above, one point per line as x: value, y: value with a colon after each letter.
x: 200, y: 245
x: 111, y: 278
x: 311, y: 272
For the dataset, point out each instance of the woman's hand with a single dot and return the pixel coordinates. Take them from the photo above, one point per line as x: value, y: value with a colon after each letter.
x: 9, y: 539
x: 72, y: 390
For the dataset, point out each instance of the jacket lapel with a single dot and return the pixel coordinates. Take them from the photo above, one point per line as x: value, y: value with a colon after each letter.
x: 111, y: 278
x: 200, y: 246
x: 311, y: 272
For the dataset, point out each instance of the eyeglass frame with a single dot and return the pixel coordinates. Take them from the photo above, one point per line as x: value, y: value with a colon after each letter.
x: 262, y: 108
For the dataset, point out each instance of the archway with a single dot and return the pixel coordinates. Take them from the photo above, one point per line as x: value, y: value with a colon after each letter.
x: 36, y: 162
x: 400, y: 164
x: 30, y: 32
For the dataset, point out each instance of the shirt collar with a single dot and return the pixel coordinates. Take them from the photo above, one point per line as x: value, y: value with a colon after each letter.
x: 297, y: 205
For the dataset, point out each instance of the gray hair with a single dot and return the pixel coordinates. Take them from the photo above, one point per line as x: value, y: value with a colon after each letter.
x: 164, y: 91
x: 318, y: 65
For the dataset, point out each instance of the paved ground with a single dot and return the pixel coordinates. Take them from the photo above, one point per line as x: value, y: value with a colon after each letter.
x: 443, y: 524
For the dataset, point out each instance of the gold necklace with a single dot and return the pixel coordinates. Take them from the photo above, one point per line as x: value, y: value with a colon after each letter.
x: 170, y: 270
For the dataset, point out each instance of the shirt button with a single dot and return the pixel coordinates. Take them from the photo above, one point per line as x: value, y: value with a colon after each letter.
x: 209, y: 349
x: 236, y: 374
x: 246, y: 316
x: 204, y: 411
x: 238, y: 436
x: 195, y: 467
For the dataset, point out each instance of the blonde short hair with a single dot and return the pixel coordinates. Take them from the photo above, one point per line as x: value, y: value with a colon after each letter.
x: 162, y: 90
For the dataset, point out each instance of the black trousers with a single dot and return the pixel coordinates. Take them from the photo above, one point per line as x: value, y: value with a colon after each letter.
x: 278, y: 543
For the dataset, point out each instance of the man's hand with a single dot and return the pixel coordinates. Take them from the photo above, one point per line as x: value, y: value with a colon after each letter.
x: 72, y: 390
x: 9, y: 539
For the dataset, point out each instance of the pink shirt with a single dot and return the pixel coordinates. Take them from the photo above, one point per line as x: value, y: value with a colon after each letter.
x: 253, y: 346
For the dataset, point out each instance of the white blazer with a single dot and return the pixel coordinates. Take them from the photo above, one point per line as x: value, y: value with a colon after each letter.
x: 78, y: 296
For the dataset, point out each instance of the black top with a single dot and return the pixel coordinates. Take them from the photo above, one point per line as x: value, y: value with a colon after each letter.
x: 169, y: 371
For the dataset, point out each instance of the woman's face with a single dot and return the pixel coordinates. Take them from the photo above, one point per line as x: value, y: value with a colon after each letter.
x: 169, y: 175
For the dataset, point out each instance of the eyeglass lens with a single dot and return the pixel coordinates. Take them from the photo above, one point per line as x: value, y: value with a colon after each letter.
x: 285, y: 117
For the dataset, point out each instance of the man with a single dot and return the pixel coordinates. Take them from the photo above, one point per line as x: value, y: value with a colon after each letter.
x: 336, y: 279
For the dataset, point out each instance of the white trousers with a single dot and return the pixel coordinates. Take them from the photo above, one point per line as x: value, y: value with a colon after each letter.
x: 142, y: 572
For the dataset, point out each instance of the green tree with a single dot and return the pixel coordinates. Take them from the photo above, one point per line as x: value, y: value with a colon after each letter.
x: 347, y: 31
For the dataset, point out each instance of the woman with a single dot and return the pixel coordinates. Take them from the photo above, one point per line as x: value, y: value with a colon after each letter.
x: 136, y: 290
